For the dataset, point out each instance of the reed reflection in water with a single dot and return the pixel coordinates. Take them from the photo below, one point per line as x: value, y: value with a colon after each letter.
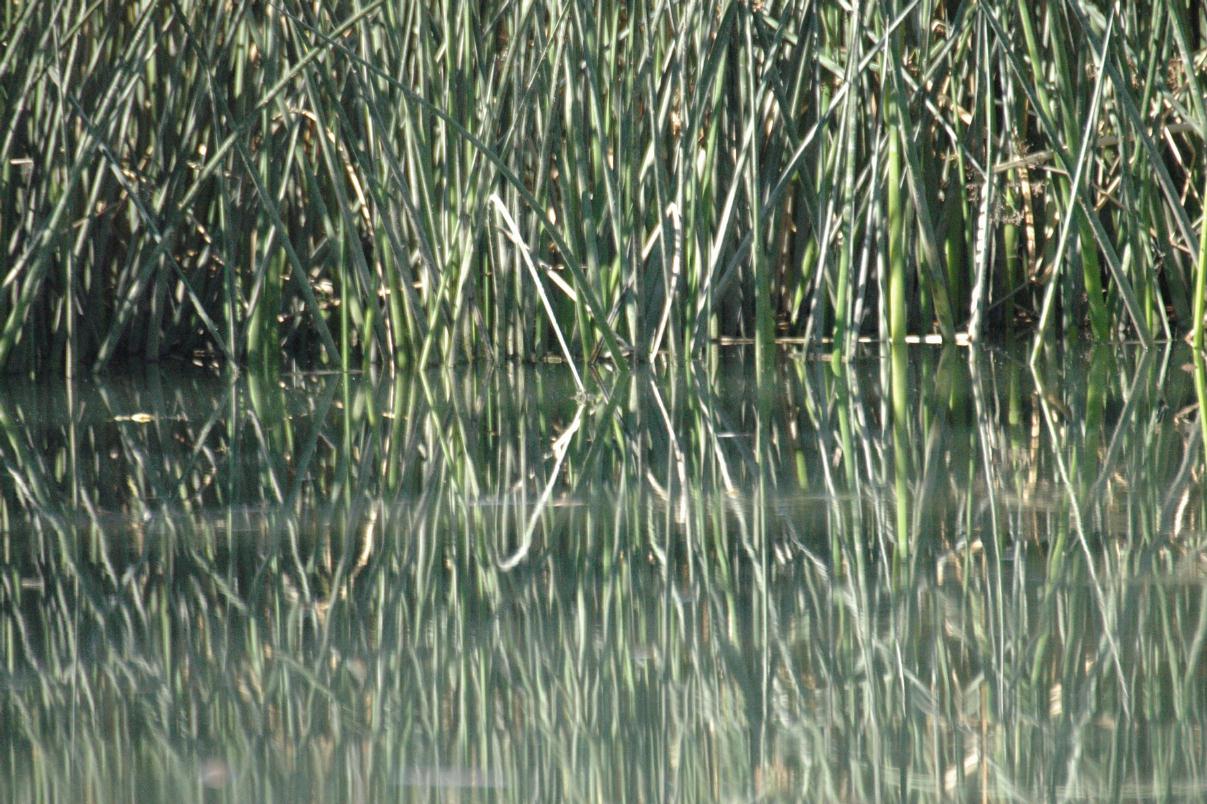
x: 935, y: 573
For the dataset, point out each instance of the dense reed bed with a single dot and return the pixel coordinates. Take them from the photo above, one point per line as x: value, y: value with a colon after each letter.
x: 358, y: 182
x: 706, y: 585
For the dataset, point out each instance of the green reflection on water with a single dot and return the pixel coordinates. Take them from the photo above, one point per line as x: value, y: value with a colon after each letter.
x: 946, y: 575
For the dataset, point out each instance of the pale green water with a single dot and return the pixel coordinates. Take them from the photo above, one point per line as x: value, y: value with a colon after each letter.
x: 942, y: 576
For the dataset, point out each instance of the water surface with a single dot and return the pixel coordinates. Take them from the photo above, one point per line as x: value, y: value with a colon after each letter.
x: 942, y: 574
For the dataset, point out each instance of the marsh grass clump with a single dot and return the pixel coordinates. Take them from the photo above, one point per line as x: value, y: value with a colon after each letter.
x: 360, y: 182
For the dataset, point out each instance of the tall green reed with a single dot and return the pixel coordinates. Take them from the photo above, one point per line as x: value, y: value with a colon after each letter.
x: 316, y: 182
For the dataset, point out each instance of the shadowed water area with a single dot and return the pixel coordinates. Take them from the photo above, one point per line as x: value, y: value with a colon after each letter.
x: 936, y: 574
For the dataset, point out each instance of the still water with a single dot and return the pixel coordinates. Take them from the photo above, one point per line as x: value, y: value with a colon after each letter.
x: 944, y: 574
